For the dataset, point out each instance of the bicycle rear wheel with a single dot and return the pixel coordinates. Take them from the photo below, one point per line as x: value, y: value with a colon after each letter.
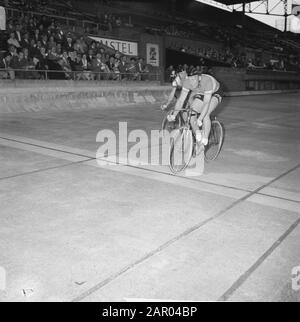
x: 181, y: 150
x: 215, y: 141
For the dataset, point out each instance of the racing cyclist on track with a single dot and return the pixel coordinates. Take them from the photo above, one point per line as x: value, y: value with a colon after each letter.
x: 205, y: 95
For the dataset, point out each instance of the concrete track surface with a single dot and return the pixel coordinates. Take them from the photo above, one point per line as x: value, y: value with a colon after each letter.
x: 72, y: 230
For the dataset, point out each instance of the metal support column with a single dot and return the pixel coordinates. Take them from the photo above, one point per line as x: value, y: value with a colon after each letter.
x: 285, y: 15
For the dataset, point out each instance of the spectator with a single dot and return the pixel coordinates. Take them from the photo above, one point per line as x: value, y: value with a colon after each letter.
x: 13, y: 51
x: 33, y: 50
x: 118, y: 55
x: 13, y: 41
x: 14, y: 61
x: 68, y: 45
x: 52, y: 55
x: 45, y: 41
x: 59, y: 50
x: 78, y: 65
x: 22, y: 63
x: 65, y: 65
x: 82, y: 45
x: 90, y: 56
x: 51, y: 43
x: 54, y: 69
x: 132, y: 70
x: 59, y: 37
x: 31, y: 26
x: 25, y: 43
x: 111, y: 63
x: 113, y: 68
x: 96, y: 66
x: 37, y: 36
x: 86, y: 68
x: 123, y: 68
x: 93, y: 49
x: 5, y: 63
x: 105, y: 56
x: 18, y: 33
x: 118, y: 22
x: 99, y: 68
x: 42, y: 62
x: 10, y: 27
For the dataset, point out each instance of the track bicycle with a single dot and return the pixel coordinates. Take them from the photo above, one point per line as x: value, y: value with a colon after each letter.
x: 183, y: 142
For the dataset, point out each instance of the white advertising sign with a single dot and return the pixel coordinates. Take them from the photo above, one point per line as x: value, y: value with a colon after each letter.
x: 152, y: 54
x: 2, y: 18
x: 123, y: 46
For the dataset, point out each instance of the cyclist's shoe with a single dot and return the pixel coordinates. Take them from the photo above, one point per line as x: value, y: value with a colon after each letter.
x: 198, y: 136
x: 171, y: 118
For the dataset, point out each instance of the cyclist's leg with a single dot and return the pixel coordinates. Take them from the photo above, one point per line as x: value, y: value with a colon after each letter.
x: 196, y: 105
x: 207, y: 121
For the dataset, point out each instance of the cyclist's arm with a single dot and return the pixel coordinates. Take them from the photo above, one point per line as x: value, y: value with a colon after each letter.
x: 180, y: 101
x: 206, y: 103
x: 171, y: 96
x: 175, y: 84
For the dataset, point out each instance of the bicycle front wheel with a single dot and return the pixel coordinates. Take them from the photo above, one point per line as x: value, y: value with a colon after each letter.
x: 215, y: 141
x: 181, y: 150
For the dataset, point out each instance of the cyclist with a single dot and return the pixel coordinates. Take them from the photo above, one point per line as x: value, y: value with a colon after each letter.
x: 205, y: 95
x: 176, y: 88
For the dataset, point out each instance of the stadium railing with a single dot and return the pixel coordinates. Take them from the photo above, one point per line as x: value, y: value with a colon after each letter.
x: 11, y: 73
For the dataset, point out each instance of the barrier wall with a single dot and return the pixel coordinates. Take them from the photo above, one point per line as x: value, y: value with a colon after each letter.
x: 256, y: 80
x: 29, y: 96
x: 271, y: 80
x: 231, y: 80
x: 34, y: 96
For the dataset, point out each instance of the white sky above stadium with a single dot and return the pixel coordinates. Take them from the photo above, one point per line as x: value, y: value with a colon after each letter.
x: 274, y: 21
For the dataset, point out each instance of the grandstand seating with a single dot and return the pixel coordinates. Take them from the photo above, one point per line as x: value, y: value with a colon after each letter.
x: 206, y: 40
x: 280, y: 52
x: 57, y: 46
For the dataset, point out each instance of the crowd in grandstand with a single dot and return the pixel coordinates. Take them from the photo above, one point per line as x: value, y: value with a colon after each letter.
x: 105, y: 21
x: 32, y: 45
x: 276, y: 62
x: 234, y: 41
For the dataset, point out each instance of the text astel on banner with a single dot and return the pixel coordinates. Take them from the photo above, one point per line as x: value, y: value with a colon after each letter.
x: 125, y: 47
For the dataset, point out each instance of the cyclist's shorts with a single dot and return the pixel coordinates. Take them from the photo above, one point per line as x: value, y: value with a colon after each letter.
x: 218, y: 94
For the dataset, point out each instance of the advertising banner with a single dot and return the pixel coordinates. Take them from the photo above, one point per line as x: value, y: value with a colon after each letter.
x: 152, y: 54
x: 125, y: 47
x: 2, y: 18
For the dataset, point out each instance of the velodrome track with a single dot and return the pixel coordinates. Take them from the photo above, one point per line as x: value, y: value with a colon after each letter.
x: 73, y: 231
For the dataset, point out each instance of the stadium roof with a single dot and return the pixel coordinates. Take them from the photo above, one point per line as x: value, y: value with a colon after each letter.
x: 230, y: 2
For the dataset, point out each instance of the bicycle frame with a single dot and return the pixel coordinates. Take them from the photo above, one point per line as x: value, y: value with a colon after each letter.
x: 190, y: 113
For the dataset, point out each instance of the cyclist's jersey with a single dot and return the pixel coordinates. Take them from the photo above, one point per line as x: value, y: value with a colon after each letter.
x: 207, y: 85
